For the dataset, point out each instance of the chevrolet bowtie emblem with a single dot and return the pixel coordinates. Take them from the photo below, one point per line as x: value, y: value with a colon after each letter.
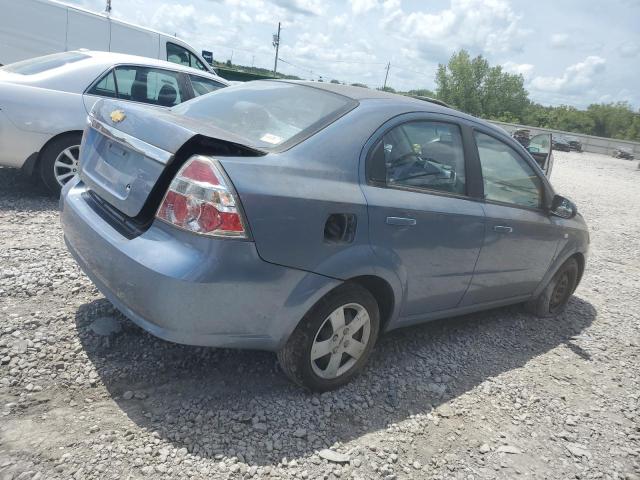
x: 117, y: 116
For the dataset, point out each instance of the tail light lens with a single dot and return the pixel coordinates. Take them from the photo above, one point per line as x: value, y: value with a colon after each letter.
x: 201, y: 199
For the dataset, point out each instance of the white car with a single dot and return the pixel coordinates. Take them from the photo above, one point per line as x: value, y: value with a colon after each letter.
x: 44, y: 103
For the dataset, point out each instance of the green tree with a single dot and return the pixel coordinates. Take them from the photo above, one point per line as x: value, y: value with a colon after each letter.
x: 611, y: 119
x: 422, y: 92
x: 633, y: 132
x: 473, y: 86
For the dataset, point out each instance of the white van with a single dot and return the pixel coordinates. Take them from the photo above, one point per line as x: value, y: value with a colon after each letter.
x: 31, y: 28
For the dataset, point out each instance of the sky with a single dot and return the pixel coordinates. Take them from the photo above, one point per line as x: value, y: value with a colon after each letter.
x: 571, y: 52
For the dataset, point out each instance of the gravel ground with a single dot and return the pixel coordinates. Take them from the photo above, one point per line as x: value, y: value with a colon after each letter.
x: 86, y: 394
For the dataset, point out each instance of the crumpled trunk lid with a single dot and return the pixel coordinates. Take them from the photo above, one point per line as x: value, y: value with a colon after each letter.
x: 126, y: 148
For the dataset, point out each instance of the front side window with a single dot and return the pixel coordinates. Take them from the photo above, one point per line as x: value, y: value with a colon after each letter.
x: 422, y: 154
x: 182, y: 56
x: 202, y: 86
x: 141, y: 84
x: 507, y: 177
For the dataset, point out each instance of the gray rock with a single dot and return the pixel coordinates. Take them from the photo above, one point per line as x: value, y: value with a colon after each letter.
x: 105, y: 326
x: 578, y: 450
x: 509, y: 449
x: 333, y: 456
x: 260, y: 427
x: 300, y: 433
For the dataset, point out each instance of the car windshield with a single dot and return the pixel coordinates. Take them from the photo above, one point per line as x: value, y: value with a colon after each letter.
x: 269, y: 114
x: 42, y: 64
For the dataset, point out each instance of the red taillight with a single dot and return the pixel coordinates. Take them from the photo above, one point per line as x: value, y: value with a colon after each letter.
x: 200, y: 199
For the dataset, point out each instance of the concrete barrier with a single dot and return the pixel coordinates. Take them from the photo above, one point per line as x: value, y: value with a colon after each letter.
x: 590, y: 143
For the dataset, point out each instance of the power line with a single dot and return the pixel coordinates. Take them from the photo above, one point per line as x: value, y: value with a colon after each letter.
x: 314, y: 74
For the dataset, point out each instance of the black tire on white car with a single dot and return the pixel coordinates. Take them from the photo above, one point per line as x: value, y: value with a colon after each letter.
x: 59, y: 161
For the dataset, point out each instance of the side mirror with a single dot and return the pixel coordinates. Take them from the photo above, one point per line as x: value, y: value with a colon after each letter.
x: 563, y: 207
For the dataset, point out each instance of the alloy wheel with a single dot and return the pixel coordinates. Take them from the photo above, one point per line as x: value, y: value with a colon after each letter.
x: 66, y: 165
x: 341, y: 341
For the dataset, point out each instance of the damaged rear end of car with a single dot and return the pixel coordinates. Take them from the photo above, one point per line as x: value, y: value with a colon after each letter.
x: 154, y: 220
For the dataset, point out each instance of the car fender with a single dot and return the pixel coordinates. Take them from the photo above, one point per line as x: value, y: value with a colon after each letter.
x: 43, y: 111
x: 362, y: 261
x: 574, y: 241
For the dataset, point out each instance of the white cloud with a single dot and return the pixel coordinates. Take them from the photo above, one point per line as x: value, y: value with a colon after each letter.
x: 524, y: 69
x: 339, y: 20
x: 482, y: 26
x: 629, y: 49
x: 560, y: 40
x: 575, y: 79
x: 363, y: 6
x: 304, y: 7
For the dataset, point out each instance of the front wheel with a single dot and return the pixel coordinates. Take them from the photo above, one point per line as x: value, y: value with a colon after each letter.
x: 59, y: 161
x: 333, y: 341
x: 555, y: 296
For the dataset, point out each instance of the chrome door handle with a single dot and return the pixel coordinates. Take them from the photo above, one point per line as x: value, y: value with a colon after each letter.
x: 402, y: 221
x: 502, y: 229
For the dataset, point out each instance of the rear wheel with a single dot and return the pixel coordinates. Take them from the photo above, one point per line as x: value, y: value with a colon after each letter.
x: 555, y: 296
x: 59, y: 161
x: 333, y: 341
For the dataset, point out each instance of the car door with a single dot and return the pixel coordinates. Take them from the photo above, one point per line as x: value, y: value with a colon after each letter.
x: 540, y: 149
x: 520, y: 239
x: 422, y: 216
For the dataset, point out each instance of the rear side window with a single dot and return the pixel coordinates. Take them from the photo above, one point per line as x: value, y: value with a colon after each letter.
x: 105, y: 87
x: 202, y: 86
x: 182, y: 56
x: 141, y: 84
x: 507, y: 177
x: 423, y: 155
x: 42, y: 64
x: 268, y: 114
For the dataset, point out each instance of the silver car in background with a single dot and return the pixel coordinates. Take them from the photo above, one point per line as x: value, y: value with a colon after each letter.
x: 44, y: 103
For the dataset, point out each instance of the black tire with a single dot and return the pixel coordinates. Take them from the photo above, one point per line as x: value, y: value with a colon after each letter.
x: 48, y: 157
x: 555, y: 296
x: 295, y: 357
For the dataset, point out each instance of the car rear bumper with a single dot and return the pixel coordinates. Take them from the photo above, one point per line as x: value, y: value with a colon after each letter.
x: 188, y: 288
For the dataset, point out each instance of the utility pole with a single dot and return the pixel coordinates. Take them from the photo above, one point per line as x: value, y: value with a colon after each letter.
x: 386, y: 76
x: 276, y: 43
x: 108, y: 8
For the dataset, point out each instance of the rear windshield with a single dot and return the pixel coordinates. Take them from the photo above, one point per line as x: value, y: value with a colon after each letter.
x: 270, y: 115
x: 42, y: 64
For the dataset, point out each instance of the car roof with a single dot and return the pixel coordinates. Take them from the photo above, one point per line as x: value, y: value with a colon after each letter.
x: 412, y: 104
x: 113, y: 58
x: 76, y: 76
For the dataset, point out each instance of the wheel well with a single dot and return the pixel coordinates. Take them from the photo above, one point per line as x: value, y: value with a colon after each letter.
x: 36, y: 164
x: 382, y: 292
x: 580, y: 259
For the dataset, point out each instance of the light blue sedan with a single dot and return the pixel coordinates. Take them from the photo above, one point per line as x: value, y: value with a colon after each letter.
x: 308, y: 218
